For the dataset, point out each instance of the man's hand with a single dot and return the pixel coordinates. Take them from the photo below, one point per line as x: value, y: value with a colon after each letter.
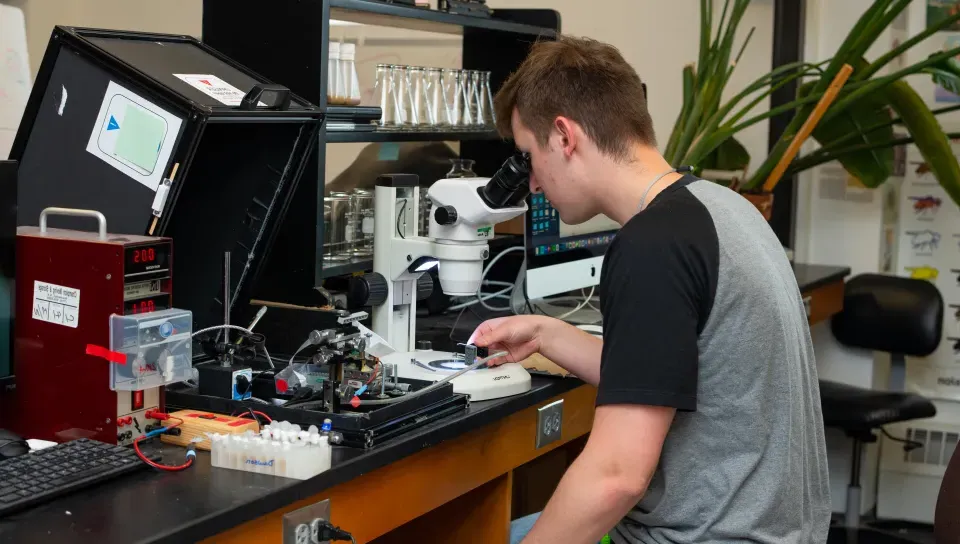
x: 521, y: 336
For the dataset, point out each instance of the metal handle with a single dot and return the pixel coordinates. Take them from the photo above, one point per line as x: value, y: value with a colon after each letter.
x: 101, y: 219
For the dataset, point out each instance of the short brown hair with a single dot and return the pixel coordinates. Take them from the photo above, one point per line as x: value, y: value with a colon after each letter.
x: 583, y: 79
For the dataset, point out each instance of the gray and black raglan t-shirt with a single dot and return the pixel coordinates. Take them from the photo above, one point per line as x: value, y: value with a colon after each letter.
x: 701, y: 312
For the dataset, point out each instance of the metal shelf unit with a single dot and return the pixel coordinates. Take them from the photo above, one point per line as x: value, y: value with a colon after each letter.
x: 288, y: 44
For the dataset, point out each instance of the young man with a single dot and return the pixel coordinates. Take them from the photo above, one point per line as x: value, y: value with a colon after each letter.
x: 708, y: 425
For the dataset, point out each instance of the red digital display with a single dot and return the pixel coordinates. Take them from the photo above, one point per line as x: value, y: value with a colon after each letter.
x: 143, y: 307
x: 141, y: 261
x: 146, y: 305
x: 146, y: 255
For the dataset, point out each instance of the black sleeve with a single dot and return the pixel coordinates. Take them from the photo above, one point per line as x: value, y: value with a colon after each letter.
x: 658, y: 289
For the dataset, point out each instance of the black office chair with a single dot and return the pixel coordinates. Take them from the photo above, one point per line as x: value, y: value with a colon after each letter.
x: 900, y: 316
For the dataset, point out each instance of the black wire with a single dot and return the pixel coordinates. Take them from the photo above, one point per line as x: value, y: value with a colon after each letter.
x: 403, y: 208
x: 533, y: 309
x: 908, y: 445
x: 255, y: 418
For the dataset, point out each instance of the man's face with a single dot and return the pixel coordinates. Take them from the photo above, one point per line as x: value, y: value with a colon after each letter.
x: 555, y: 173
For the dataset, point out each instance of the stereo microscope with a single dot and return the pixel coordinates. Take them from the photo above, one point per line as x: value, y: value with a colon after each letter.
x: 462, y: 216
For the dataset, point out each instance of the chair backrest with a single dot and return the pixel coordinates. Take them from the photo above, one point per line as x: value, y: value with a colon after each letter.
x: 946, y: 521
x: 890, y: 314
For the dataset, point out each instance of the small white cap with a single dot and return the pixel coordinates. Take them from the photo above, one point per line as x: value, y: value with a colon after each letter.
x: 348, y: 51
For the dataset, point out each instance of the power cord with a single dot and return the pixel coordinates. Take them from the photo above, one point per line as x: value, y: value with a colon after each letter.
x: 328, y: 531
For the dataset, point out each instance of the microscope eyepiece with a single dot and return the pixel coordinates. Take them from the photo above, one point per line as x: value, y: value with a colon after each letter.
x: 510, y: 185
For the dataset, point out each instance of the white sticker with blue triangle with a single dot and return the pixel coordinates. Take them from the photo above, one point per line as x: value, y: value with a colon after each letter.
x: 134, y: 135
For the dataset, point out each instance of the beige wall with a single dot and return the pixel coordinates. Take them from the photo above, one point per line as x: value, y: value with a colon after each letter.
x: 657, y: 46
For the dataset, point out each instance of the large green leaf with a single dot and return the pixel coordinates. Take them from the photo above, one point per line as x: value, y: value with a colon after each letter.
x: 729, y: 155
x: 945, y: 73
x: 928, y: 135
x: 873, y: 166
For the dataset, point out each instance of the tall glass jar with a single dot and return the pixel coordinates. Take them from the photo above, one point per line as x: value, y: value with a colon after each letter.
x: 391, y: 116
x: 452, y: 96
x: 416, y: 97
x: 334, y: 80
x: 486, y: 96
x: 348, y: 74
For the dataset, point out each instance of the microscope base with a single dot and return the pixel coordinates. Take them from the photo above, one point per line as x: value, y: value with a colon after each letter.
x: 484, y: 383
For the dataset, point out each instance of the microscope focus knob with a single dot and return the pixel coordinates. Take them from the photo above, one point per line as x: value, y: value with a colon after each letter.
x: 367, y: 290
x: 424, y: 286
x: 445, y: 215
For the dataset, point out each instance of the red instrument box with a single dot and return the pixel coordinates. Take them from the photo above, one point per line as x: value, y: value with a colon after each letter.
x: 68, y: 284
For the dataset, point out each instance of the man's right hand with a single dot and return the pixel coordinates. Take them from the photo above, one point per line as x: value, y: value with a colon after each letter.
x: 521, y: 336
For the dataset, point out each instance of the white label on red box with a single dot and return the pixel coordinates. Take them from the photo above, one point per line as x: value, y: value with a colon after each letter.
x: 56, y: 304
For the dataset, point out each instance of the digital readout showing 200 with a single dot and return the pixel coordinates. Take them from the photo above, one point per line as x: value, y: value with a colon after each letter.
x: 140, y: 260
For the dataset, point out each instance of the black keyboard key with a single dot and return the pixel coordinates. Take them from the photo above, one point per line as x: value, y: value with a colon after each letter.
x: 9, y: 498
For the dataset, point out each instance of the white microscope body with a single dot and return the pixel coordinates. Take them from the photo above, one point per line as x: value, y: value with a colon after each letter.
x: 460, y: 224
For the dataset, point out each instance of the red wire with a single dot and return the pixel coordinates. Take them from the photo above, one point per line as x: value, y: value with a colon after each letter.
x: 376, y: 370
x: 170, y: 468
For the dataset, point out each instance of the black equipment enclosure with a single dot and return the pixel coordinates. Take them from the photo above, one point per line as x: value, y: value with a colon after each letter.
x: 114, y: 115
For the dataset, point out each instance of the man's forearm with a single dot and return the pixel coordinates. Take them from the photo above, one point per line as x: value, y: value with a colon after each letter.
x: 584, y: 507
x: 575, y: 350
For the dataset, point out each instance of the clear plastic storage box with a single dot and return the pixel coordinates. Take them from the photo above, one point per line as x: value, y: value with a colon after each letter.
x: 157, y: 346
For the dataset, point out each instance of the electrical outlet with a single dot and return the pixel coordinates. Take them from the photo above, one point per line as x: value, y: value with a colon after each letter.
x: 549, y: 423
x: 299, y: 526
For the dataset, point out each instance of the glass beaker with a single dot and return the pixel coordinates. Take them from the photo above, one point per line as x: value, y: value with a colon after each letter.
x: 417, y: 98
x: 461, y: 168
x: 391, y: 116
x: 433, y: 91
x: 468, y: 93
x: 340, y: 218
x: 348, y: 75
x: 334, y: 85
x: 361, y: 207
x: 402, y: 97
x: 486, y: 102
x: 451, y: 93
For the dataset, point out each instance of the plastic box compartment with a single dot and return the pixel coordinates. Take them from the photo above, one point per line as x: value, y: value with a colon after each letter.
x: 158, y: 349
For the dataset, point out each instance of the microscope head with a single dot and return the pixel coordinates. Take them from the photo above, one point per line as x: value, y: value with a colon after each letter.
x: 462, y: 218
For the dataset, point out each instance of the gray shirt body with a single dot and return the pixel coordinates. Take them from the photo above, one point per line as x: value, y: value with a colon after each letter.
x: 702, y: 312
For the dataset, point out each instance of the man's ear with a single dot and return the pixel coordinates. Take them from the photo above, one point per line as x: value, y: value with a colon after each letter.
x: 568, y: 135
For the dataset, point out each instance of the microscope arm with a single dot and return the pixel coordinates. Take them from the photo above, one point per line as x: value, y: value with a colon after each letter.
x: 406, y: 254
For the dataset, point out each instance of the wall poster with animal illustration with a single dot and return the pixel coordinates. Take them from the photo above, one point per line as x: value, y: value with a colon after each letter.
x: 928, y: 248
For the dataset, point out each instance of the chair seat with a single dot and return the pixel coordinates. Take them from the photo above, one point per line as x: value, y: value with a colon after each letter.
x: 857, y: 409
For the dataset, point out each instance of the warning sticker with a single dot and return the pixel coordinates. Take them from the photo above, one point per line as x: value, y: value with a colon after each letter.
x: 215, y: 88
x: 56, y: 304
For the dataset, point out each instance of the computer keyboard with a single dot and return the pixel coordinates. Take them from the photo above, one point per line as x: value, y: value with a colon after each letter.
x: 37, y: 477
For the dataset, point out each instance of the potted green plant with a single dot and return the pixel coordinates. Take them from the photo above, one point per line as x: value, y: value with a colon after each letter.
x: 857, y: 129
